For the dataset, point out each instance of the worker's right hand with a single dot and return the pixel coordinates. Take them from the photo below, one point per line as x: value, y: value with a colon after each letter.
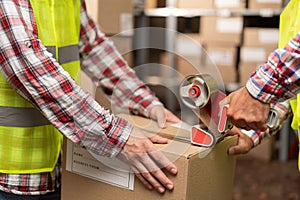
x: 245, y: 111
x: 146, y: 161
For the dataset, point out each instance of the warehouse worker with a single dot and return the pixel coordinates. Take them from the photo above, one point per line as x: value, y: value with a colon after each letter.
x: 43, y: 44
x: 277, y: 80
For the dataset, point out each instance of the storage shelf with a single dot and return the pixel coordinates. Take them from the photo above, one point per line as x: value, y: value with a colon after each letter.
x: 192, y: 12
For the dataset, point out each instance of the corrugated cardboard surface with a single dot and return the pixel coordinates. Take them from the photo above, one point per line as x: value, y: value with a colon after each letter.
x: 258, y: 54
x: 225, y: 58
x: 245, y: 70
x: 113, y: 16
x: 224, y: 30
x: 208, y: 176
x: 186, y: 65
x: 260, y: 36
x: 208, y: 4
x: 230, y: 4
x: 258, y: 4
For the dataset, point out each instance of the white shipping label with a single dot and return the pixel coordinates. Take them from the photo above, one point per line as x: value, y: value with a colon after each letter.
x: 126, y: 24
x: 81, y: 162
x: 252, y: 54
x: 227, y: 3
x: 221, y: 57
x: 230, y: 25
x: 268, y: 1
x: 188, y: 46
x: 268, y: 36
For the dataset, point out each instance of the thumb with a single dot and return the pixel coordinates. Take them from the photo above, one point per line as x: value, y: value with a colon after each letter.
x: 161, y: 120
x: 158, y: 113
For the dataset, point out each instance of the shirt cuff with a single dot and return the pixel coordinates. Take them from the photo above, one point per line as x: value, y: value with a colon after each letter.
x: 263, y: 86
x: 118, y: 135
x: 255, y: 89
x: 256, y: 136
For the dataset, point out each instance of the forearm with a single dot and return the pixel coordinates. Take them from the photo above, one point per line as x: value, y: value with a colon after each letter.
x: 36, y: 76
x: 279, y: 78
x: 102, y: 62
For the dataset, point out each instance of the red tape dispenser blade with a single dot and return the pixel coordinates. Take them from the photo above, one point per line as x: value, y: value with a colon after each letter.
x: 202, y: 137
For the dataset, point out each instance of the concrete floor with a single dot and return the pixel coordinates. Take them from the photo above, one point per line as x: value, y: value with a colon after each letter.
x: 266, y: 180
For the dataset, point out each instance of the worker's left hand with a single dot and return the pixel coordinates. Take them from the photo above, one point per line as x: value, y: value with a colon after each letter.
x: 162, y: 115
x: 244, y: 144
x: 146, y: 161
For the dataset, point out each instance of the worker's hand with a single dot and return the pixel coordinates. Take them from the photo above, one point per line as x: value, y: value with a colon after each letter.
x: 244, y: 144
x: 162, y: 115
x: 146, y: 161
x: 245, y: 111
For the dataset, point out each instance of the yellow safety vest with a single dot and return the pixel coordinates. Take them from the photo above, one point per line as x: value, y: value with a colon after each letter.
x: 289, y: 26
x: 28, y: 142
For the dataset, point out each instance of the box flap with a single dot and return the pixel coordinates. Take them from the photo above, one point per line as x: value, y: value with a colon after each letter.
x: 169, y: 132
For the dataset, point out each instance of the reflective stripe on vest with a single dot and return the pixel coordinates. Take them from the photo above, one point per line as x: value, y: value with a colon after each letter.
x: 29, y: 117
x: 21, y: 117
x: 28, y: 144
x: 65, y: 54
x: 289, y: 26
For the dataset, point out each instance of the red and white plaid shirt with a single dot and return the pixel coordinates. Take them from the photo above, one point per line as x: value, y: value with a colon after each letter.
x: 278, y: 80
x: 36, y: 76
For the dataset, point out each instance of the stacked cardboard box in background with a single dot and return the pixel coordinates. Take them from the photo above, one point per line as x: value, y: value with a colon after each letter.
x: 262, y: 4
x: 195, y: 4
x: 225, y: 59
x: 188, y: 52
x: 113, y: 16
x: 220, y: 4
x: 212, y: 4
x: 224, y: 30
x: 257, y: 45
x: 222, y: 36
x: 230, y: 4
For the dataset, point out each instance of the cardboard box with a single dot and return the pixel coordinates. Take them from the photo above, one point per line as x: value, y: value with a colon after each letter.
x: 185, y: 65
x: 222, y: 30
x: 189, y: 54
x: 230, y: 4
x: 113, y: 16
x: 208, y: 4
x: 124, y: 45
x: 256, y: 54
x: 212, y: 4
x: 261, y: 4
x: 260, y: 36
x: 245, y: 70
x: 225, y: 58
x: 190, y: 44
x: 202, y: 174
x: 149, y: 4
